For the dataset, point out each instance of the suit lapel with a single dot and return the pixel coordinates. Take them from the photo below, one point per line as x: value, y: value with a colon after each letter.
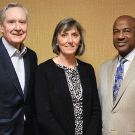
x: 111, y: 74
x: 8, y: 67
x: 127, y: 79
x: 27, y: 74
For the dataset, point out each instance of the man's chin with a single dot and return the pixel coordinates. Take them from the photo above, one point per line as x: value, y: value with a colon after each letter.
x: 16, y: 44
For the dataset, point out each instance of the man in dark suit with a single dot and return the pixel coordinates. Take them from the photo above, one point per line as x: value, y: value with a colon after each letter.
x: 17, y: 73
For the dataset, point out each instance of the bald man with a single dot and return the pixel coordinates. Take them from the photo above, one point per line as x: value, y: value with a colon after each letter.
x: 117, y: 81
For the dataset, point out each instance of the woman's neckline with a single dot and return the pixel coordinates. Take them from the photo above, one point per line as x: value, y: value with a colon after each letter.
x: 56, y: 60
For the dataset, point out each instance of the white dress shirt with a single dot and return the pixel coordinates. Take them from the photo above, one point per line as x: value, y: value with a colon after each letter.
x: 17, y: 60
x: 129, y: 58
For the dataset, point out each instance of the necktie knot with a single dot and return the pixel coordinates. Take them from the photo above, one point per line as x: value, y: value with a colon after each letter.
x: 123, y: 60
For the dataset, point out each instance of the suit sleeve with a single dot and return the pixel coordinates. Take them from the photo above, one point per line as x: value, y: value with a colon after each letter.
x: 30, y: 108
x: 99, y: 84
x: 95, y: 124
x: 46, y: 120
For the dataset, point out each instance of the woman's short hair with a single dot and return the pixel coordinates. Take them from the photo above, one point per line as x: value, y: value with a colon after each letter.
x: 10, y: 5
x: 66, y: 25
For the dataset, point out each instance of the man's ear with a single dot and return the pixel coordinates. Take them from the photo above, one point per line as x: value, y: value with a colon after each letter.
x: 1, y: 26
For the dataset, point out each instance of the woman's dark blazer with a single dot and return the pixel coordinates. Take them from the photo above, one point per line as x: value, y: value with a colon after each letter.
x: 54, y: 104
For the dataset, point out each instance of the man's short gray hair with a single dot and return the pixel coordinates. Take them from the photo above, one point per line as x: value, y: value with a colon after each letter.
x: 10, y: 5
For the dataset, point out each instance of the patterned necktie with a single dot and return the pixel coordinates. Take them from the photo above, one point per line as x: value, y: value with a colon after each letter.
x: 118, y: 79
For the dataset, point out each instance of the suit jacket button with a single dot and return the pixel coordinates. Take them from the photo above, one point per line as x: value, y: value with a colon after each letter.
x: 113, y: 112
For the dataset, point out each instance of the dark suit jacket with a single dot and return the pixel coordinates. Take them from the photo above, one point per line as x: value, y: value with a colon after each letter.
x: 54, y: 104
x: 13, y: 103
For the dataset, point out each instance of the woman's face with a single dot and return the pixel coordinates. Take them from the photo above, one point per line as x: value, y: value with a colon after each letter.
x: 69, y: 41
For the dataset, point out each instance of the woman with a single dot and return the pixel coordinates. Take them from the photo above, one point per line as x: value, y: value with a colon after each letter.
x: 66, y: 93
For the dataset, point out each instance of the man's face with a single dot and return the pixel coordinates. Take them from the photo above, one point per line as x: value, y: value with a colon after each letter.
x: 14, y: 28
x: 124, y: 35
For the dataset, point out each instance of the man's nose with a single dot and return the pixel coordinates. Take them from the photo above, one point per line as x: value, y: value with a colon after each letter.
x: 17, y: 26
x: 121, y: 35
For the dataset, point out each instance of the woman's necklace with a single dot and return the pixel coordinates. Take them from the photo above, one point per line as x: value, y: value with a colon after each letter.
x: 59, y: 61
x: 62, y: 64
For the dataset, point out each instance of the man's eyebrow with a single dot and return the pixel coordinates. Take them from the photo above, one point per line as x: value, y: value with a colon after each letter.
x: 115, y: 29
x: 123, y: 29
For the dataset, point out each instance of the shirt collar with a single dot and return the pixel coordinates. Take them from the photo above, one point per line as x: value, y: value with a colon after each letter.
x: 129, y: 57
x: 12, y: 50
